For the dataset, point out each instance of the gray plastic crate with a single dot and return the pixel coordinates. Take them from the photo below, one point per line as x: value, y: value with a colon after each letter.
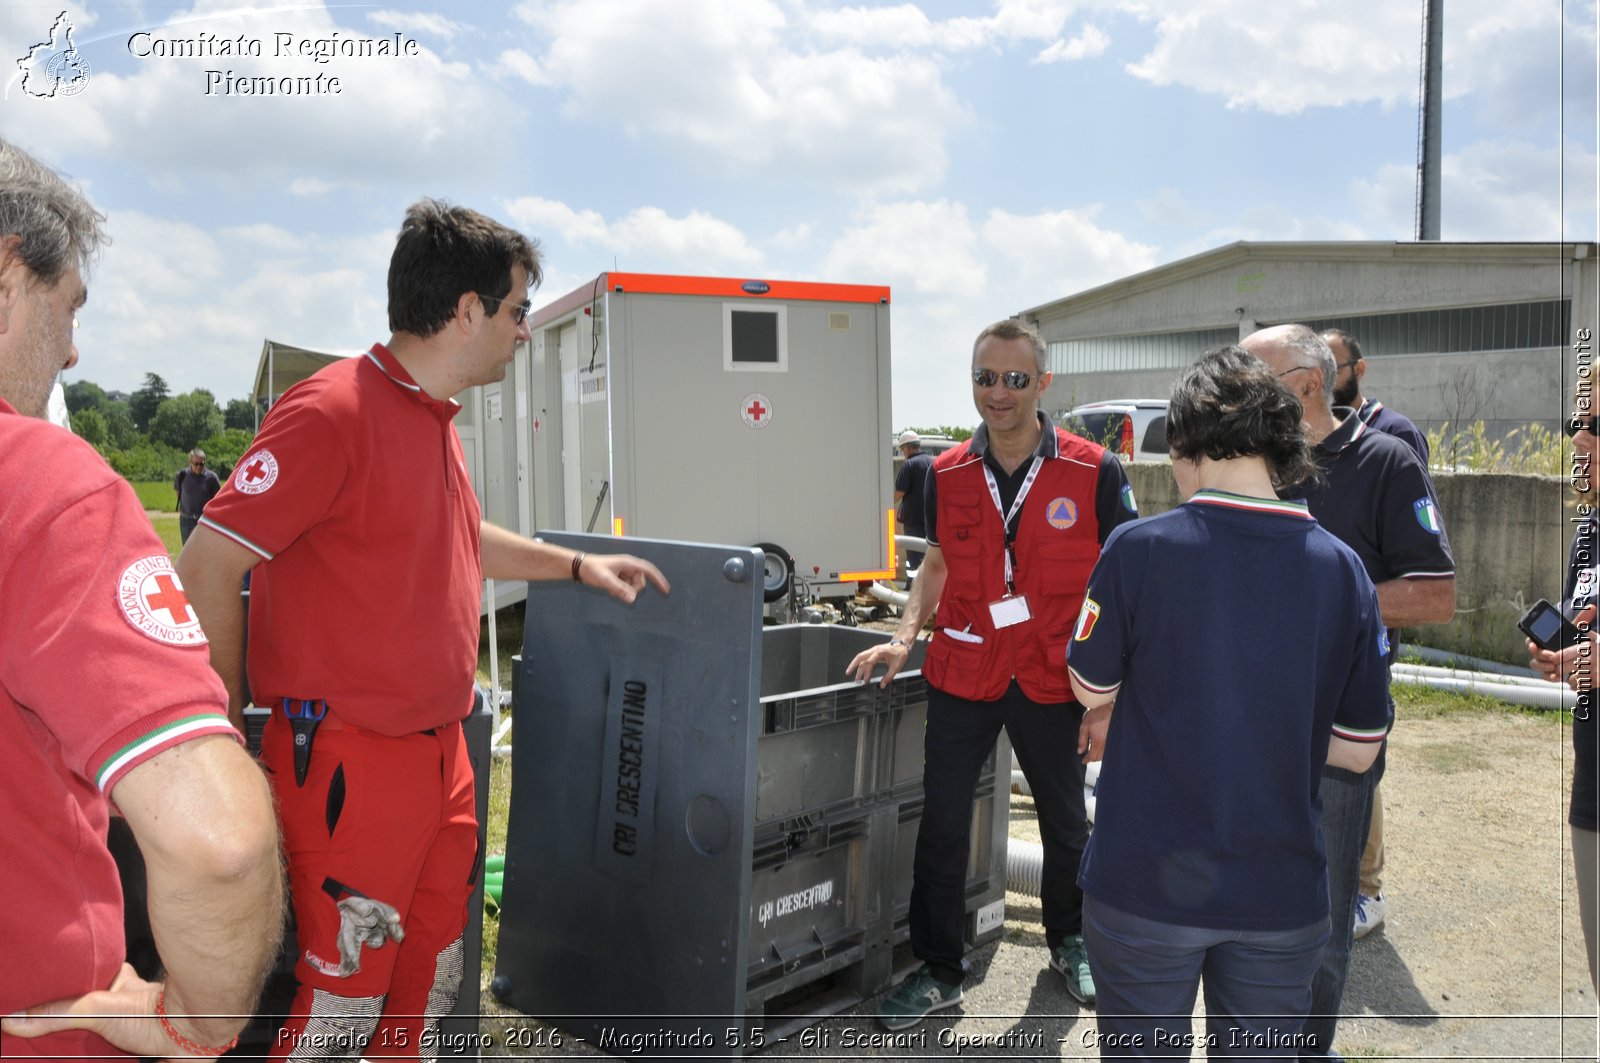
x: 704, y: 813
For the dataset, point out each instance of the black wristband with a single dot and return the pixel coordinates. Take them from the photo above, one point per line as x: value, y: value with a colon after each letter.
x: 577, y: 563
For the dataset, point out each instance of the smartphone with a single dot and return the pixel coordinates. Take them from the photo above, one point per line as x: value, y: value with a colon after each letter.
x: 1547, y: 627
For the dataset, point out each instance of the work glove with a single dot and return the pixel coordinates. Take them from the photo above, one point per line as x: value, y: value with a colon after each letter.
x: 364, y: 921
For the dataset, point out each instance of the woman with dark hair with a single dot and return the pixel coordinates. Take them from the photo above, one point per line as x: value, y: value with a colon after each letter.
x: 1243, y: 648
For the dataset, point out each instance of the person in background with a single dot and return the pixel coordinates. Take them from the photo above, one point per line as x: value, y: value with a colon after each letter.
x: 1375, y: 496
x: 1015, y: 519
x: 1350, y: 370
x: 1578, y: 666
x: 354, y: 508
x: 107, y: 706
x: 195, y: 486
x: 1243, y: 648
x: 908, y: 493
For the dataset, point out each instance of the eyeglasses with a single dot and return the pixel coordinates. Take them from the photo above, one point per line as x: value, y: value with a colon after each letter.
x: 1294, y: 369
x: 1016, y: 380
x: 519, y: 311
x: 1576, y: 424
x: 1343, y: 365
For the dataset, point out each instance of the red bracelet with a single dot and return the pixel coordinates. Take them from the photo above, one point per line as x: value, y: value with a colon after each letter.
x: 577, y: 563
x: 183, y: 1042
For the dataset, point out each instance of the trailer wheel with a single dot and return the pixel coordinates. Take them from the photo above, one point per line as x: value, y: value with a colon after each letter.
x: 777, y: 576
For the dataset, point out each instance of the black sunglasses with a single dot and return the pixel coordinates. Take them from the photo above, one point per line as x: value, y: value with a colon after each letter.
x: 1576, y: 424
x: 1016, y: 380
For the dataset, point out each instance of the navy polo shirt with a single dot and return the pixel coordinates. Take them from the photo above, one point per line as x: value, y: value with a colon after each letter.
x: 1241, y: 635
x: 1113, y: 495
x: 912, y: 480
x: 1380, y: 418
x: 1376, y: 498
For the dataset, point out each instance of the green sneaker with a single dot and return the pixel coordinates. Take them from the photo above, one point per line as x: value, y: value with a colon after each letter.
x: 1072, y: 960
x: 914, y: 998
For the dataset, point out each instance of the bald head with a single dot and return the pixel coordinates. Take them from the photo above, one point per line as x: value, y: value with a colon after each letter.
x: 1294, y: 350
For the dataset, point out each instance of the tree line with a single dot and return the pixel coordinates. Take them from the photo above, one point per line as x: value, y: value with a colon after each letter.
x: 149, y: 435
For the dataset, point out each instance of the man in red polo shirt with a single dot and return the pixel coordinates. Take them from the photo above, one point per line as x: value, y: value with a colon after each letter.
x: 105, y: 696
x: 354, y: 509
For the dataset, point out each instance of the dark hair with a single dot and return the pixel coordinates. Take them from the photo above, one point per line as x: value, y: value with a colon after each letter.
x: 1013, y: 329
x: 1345, y: 338
x: 442, y: 253
x: 1229, y: 404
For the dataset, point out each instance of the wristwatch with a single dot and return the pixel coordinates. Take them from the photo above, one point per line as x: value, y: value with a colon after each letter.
x: 900, y: 642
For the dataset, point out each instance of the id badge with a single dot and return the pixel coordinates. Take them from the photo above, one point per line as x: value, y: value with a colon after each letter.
x: 1012, y: 609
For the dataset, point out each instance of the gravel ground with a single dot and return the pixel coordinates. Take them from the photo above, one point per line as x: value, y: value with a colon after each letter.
x: 1481, y: 956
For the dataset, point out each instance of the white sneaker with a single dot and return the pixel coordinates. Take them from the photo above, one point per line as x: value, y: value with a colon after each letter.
x: 1369, y: 914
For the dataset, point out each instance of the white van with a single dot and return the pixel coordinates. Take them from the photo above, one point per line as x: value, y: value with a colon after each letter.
x: 1135, y: 429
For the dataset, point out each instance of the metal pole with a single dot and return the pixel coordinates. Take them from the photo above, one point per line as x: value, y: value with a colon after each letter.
x: 1432, y: 107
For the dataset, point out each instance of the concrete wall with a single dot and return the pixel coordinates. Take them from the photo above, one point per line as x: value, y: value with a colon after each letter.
x: 1509, y: 535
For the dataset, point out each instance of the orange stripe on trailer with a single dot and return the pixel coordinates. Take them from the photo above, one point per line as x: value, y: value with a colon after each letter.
x: 848, y: 577
x: 746, y: 288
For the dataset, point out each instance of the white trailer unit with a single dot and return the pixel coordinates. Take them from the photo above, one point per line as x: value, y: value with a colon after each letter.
x: 700, y: 409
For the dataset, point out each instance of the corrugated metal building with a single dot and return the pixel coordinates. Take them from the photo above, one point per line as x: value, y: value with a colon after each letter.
x: 1453, y: 332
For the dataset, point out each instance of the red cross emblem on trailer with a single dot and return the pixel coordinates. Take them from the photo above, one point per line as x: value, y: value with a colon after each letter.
x: 152, y: 600
x: 256, y: 472
x: 756, y: 410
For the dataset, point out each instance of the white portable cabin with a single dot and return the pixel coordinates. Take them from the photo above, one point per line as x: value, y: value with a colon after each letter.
x: 700, y: 409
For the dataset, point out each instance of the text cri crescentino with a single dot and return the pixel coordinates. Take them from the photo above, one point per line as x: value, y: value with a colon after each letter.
x: 630, y: 769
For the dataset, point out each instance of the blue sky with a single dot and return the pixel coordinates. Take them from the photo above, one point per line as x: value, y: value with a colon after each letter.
x: 977, y: 158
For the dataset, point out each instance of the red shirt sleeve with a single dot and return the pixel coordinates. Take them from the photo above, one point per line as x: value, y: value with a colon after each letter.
x: 287, y: 481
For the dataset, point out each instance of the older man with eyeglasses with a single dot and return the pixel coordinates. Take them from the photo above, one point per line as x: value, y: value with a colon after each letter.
x: 1376, y: 498
x: 1015, y: 519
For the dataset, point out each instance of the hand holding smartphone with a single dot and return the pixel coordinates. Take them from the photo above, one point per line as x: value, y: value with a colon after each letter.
x: 1548, y: 627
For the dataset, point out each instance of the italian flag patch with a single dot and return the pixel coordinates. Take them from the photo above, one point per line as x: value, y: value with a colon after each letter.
x: 1086, y: 620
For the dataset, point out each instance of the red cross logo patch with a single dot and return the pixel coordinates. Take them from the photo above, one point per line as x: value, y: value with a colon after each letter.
x: 152, y: 600
x: 756, y: 410
x: 256, y: 472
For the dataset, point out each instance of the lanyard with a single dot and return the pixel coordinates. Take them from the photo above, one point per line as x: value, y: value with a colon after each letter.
x: 1006, y: 518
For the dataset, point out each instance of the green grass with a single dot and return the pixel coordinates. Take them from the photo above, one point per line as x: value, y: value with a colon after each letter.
x: 508, y: 629
x: 166, y: 525
x: 156, y: 494
x: 1417, y: 702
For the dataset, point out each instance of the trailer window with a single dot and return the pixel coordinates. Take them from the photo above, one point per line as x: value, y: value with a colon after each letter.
x: 755, y: 338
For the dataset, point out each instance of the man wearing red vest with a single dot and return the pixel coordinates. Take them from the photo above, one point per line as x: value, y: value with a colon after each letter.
x: 1015, y: 519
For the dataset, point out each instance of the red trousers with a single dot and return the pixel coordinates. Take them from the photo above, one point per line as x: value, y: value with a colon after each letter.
x: 393, y: 819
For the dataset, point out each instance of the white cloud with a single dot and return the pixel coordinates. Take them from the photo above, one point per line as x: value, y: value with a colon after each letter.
x: 1063, y: 251
x: 646, y: 238
x: 1284, y: 57
x: 308, y: 187
x: 516, y: 63
x: 193, y: 305
x: 926, y: 248
x: 1492, y: 191
x: 907, y: 26
x: 732, y: 83
x: 949, y: 277
x: 419, y: 23
x: 1086, y: 45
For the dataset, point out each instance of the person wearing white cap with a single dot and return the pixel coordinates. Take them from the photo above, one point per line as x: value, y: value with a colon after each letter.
x: 908, y: 493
